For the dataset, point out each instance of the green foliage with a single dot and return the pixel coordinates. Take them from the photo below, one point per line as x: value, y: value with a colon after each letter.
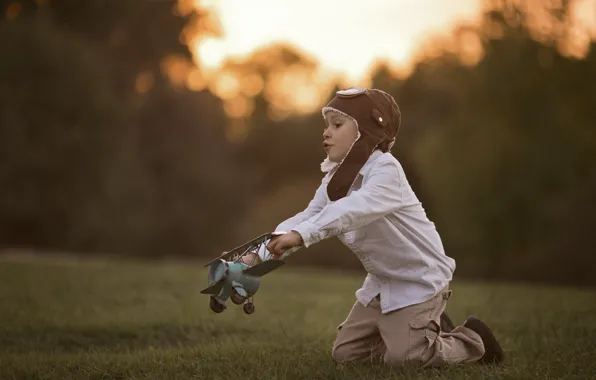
x: 61, y: 133
x: 65, y: 319
x: 92, y: 164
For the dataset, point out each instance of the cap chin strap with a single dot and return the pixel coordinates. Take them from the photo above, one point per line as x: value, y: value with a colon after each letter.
x: 347, y: 172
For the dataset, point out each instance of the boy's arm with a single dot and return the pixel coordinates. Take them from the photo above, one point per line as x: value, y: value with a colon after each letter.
x: 380, y: 195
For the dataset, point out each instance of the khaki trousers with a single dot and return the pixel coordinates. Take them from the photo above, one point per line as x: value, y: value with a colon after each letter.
x: 411, y: 335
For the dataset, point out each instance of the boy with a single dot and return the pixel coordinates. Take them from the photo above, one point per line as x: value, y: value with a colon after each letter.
x: 366, y: 200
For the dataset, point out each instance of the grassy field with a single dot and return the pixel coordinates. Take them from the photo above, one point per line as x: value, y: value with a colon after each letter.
x: 148, y: 321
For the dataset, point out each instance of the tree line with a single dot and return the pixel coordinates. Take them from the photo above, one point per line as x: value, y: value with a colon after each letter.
x: 104, y: 148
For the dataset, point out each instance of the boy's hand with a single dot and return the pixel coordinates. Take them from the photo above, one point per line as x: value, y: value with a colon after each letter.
x: 278, y: 244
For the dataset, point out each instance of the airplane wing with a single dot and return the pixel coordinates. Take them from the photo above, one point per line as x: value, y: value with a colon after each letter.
x: 241, y: 250
x: 263, y: 268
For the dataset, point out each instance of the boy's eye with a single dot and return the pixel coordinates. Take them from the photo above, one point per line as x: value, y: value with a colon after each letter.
x: 334, y: 123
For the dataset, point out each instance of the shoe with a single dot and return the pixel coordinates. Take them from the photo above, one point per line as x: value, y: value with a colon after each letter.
x: 446, y: 323
x: 493, y: 352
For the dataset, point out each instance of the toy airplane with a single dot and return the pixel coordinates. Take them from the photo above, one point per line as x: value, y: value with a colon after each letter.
x: 230, y: 277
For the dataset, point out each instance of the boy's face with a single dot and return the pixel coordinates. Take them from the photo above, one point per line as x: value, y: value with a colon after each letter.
x: 339, y: 135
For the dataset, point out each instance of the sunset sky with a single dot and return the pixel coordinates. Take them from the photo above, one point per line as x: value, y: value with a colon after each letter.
x: 345, y: 36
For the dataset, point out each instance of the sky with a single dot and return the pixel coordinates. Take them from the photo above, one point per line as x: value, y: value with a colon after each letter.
x: 345, y: 36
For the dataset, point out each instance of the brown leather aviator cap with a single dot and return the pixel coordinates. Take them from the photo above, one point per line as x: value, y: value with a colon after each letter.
x: 378, y: 118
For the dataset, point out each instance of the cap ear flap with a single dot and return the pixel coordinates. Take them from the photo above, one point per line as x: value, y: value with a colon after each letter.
x: 379, y: 118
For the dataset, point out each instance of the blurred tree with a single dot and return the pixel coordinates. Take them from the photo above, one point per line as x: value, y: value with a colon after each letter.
x: 110, y: 139
x: 61, y: 138
x: 105, y: 147
x: 282, y: 139
x: 506, y: 162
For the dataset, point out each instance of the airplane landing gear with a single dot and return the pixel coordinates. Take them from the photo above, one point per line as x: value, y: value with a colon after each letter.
x: 215, y: 306
x: 237, y: 297
x: 248, y: 308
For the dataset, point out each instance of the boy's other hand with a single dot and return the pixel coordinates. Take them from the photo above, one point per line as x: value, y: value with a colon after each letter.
x: 278, y: 244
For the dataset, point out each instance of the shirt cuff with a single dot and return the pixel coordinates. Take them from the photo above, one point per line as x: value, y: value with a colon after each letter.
x: 309, y: 233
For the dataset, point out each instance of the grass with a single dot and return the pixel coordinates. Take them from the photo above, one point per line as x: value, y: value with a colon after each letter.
x: 148, y: 321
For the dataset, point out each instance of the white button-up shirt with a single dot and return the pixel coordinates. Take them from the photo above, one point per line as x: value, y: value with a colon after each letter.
x: 382, y: 221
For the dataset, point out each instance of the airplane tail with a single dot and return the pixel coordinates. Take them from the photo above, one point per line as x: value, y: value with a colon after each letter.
x: 214, y: 289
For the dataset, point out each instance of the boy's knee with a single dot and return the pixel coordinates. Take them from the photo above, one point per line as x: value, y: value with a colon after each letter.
x: 345, y: 353
x: 342, y: 354
x: 251, y: 259
x: 348, y: 353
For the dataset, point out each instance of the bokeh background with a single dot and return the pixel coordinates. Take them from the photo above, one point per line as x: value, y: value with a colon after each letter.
x: 160, y: 129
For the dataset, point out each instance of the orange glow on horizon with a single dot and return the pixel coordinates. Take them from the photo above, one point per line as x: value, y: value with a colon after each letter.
x: 347, y: 39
